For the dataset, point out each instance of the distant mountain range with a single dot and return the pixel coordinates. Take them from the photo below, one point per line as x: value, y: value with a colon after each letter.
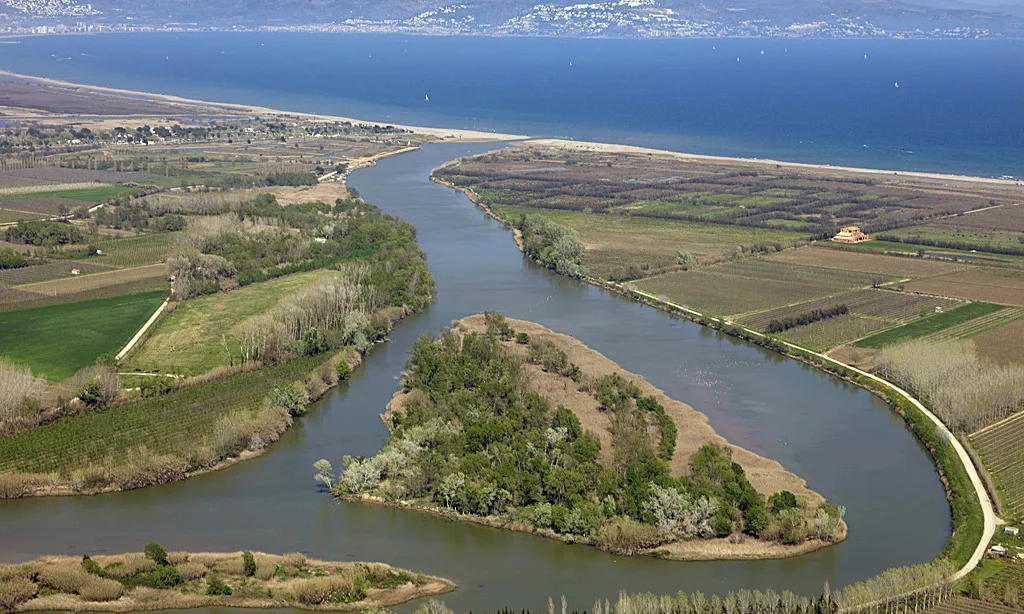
x: 599, y: 18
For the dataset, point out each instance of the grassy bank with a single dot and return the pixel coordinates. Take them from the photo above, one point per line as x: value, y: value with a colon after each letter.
x: 158, y: 580
x: 58, y: 340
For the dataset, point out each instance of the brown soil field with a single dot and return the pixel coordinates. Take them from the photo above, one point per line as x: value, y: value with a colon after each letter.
x: 849, y: 260
x: 13, y: 294
x: 48, y: 271
x: 893, y: 307
x: 8, y: 216
x: 74, y: 285
x: 1009, y: 217
x: 1004, y: 344
x: 1003, y: 286
x: 862, y: 358
x: 766, y: 475
x: 45, y: 206
x: 275, y: 592
x: 326, y: 192
x: 59, y: 175
x: 21, y: 248
x: 28, y: 300
x: 829, y: 333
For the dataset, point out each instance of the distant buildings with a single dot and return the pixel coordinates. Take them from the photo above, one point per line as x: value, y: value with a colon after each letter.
x: 850, y: 234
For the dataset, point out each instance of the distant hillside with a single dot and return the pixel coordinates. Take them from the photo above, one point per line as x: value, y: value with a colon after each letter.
x: 614, y: 18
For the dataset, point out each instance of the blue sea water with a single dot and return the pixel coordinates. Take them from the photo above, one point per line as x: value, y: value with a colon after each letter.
x: 958, y: 107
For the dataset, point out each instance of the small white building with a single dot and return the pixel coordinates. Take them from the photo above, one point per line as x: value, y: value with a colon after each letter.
x: 997, y: 549
x: 1011, y: 531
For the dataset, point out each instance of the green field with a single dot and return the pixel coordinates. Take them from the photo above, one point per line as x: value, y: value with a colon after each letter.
x: 58, y: 340
x: 90, y: 195
x: 930, y: 325
x: 175, y: 423
x: 189, y: 340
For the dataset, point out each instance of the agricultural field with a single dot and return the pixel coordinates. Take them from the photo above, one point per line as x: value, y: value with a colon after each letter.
x: 8, y: 216
x: 57, y: 341
x: 930, y: 325
x: 56, y: 175
x: 95, y: 281
x: 189, y: 340
x: 167, y: 424
x: 990, y: 284
x: 626, y: 247
x: 850, y: 260
x: 870, y: 310
x: 93, y: 195
x: 51, y: 270
x: 1004, y: 344
x: 1002, y: 448
x: 39, y: 206
x: 965, y: 605
x: 541, y: 176
x: 152, y: 248
x: 14, y: 299
x: 753, y: 284
x: 946, y: 233
x: 995, y: 320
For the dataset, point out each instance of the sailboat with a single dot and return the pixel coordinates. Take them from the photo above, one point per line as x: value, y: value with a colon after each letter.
x: 897, y: 85
x: 426, y: 97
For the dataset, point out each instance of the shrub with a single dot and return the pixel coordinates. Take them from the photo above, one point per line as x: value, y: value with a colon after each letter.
x: 782, y: 500
x: 522, y: 338
x: 90, y: 566
x: 15, y: 592
x: 192, y: 570
x: 101, y: 589
x: 290, y: 397
x: 265, y: 569
x: 344, y: 371
x: 64, y: 579
x: 24, y: 571
x: 624, y: 535
x: 248, y: 564
x: 346, y: 587
x: 177, y: 558
x: 156, y: 553
x: 215, y: 586
x: 132, y: 565
x: 18, y: 485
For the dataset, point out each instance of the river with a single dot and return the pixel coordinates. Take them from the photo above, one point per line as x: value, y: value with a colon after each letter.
x: 844, y: 441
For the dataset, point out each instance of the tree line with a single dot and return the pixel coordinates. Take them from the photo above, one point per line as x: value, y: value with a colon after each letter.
x: 778, y: 325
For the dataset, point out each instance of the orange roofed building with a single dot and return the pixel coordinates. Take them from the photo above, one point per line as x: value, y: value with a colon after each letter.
x: 850, y: 234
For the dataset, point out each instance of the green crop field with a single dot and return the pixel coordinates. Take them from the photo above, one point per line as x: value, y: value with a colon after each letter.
x: 172, y: 423
x: 56, y: 341
x: 189, y: 341
x: 88, y: 195
x: 930, y: 325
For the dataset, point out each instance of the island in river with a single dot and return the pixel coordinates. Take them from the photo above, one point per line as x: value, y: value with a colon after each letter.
x: 159, y: 580
x: 507, y: 423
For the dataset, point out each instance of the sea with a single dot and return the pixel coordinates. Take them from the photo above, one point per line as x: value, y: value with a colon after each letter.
x: 921, y: 105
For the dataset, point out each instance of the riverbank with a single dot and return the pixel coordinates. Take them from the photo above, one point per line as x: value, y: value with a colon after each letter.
x: 137, y: 582
x: 974, y: 518
x: 691, y: 434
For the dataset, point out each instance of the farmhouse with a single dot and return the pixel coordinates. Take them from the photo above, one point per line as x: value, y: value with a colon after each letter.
x: 850, y: 234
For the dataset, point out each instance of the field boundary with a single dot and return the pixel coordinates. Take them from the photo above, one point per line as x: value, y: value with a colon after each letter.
x: 142, y: 331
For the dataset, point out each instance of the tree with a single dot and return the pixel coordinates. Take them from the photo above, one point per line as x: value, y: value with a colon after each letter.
x: 324, y: 473
x: 684, y: 259
x: 249, y: 563
x: 291, y: 397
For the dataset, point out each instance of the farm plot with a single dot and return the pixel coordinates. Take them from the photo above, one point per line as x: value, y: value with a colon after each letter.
x: 59, y: 175
x: 40, y: 206
x: 7, y: 216
x: 56, y: 341
x: 979, y: 325
x: 849, y: 260
x: 892, y: 307
x: 826, y: 334
x: 85, y: 195
x: 50, y: 270
x: 1002, y: 448
x: 965, y: 605
x: 751, y: 285
x: 136, y: 251
x: 988, y: 284
x: 932, y: 324
x: 11, y: 300
x: 172, y: 423
x: 1004, y: 344
x: 72, y: 285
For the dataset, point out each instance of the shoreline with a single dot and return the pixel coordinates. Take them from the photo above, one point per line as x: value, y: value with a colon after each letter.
x: 456, y: 134
x: 279, y: 585
x: 905, y: 405
x: 694, y: 430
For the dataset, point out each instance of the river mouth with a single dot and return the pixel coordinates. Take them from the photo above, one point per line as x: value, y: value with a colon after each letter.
x: 842, y: 440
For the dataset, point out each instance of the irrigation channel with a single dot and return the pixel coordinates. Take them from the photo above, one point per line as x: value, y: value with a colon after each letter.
x: 842, y: 440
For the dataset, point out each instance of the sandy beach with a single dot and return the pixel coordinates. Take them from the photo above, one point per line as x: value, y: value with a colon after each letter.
x: 449, y: 134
